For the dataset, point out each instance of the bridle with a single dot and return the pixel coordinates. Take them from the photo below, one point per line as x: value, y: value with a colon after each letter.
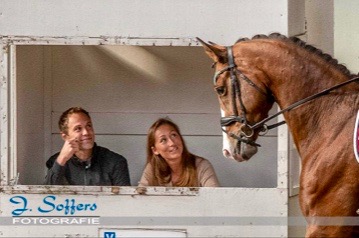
x: 246, y: 131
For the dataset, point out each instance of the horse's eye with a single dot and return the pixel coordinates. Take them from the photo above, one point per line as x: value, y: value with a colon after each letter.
x: 221, y: 90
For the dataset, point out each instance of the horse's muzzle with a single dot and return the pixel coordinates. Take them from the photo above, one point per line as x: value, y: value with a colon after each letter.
x: 241, y: 152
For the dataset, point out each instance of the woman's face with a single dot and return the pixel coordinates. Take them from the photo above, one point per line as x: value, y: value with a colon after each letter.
x: 168, y: 144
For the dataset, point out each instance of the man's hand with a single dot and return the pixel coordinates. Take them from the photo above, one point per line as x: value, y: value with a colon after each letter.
x: 69, y: 148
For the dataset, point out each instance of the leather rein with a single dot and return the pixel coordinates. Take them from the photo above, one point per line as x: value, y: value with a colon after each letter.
x: 246, y: 130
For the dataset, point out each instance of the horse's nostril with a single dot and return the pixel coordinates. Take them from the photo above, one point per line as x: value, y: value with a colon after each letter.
x: 245, y: 157
x: 226, y: 153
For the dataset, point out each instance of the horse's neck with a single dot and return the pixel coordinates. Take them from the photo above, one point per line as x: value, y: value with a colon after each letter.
x: 318, y: 122
x: 297, y: 76
x: 321, y: 121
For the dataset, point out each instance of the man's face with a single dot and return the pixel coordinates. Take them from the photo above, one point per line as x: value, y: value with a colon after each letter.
x: 80, y: 128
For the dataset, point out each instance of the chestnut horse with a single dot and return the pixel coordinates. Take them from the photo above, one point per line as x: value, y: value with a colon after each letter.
x: 319, y: 101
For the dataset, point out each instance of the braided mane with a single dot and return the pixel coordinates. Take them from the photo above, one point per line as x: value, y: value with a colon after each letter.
x: 328, y: 58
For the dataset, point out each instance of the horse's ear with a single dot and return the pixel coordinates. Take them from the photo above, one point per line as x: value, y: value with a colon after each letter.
x: 216, y: 52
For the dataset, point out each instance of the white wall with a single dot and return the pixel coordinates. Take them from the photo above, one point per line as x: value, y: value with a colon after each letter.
x: 346, y: 29
x: 202, y: 212
x: 30, y: 113
x: 222, y: 21
x: 73, y: 76
x: 337, y: 35
x: 125, y: 89
x: 320, y: 22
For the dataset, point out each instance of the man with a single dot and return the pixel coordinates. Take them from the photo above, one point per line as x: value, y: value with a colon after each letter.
x: 81, y: 161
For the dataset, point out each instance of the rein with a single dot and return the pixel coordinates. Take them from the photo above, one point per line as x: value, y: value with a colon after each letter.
x: 247, y: 130
x: 300, y: 102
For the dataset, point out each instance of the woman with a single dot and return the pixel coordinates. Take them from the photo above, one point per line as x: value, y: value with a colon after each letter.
x: 169, y: 163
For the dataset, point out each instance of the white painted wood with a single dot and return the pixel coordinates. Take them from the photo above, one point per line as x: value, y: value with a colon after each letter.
x: 294, y: 169
x: 283, y: 154
x: 216, y: 20
x: 4, y: 113
x: 203, y: 212
x: 295, y: 230
x: 142, y: 232
x: 282, y: 163
x: 94, y: 23
x: 13, y: 172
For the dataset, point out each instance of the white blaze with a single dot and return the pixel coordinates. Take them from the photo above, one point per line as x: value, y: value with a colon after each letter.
x: 226, y: 145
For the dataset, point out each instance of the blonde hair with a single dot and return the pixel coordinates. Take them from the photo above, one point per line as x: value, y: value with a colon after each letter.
x: 161, y: 170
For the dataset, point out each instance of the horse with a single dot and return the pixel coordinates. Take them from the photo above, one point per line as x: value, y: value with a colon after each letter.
x: 319, y: 101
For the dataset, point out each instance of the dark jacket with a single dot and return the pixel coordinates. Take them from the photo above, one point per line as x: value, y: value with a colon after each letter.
x: 105, y: 169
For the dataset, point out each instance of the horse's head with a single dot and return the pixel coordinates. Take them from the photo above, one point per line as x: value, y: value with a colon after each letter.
x: 243, y: 97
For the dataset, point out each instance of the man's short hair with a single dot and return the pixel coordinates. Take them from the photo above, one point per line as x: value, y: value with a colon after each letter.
x: 64, y: 118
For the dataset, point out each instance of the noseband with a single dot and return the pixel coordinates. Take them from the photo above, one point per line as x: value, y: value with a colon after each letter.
x: 246, y: 131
